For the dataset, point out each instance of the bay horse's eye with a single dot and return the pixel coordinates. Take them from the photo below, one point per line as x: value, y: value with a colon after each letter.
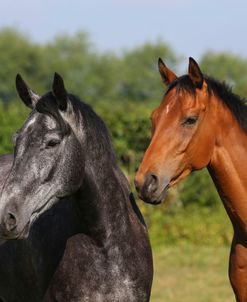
x: 191, y: 120
x: 53, y: 142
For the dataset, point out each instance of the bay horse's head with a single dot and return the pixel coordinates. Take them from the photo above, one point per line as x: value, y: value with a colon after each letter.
x: 182, y: 134
x: 48, y: 159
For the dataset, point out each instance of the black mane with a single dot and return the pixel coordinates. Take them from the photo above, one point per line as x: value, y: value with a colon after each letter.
x: 97, y: 132
x: 235, y: 103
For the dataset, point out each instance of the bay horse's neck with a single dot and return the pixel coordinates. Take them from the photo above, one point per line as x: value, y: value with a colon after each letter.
x: 228, y: 166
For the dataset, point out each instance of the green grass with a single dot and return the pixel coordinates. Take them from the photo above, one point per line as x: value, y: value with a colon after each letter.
x: 191, y: 273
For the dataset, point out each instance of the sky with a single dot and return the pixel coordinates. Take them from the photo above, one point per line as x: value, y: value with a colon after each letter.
x: 190, y: 27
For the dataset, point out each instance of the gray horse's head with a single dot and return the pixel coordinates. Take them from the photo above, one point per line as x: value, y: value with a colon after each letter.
x: 48, y: 159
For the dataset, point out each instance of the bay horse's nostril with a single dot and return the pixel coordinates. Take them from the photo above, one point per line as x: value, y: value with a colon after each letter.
x: 10, y: 222
x: 151, y: 183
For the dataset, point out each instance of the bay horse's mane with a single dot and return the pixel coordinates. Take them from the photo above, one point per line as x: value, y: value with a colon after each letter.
x: 234, y: 102
x: 96, y: 130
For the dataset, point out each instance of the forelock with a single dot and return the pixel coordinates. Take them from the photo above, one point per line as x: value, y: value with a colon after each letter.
x: 183, y: 83
x: 47, y: 106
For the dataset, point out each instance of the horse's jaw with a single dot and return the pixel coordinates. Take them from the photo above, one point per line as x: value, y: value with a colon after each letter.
x: 35, y: 215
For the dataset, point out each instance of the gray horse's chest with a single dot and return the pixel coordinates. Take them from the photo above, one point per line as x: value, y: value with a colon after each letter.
x: 92, y: 277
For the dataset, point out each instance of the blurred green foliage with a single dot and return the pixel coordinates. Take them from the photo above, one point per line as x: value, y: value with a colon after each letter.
x: 123, y: 89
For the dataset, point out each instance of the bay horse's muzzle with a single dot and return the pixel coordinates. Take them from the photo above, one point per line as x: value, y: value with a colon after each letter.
x: 149, y: 188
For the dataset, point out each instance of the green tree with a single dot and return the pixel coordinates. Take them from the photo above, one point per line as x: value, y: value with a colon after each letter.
x: 198, y: 189
x: 227, y: 67
x: 17, y: 54
x: 139, y: 77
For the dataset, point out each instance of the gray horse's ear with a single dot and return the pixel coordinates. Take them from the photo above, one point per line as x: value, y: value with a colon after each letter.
x: 60, y: 92
x: 195, y: 73
x: 28, y: 97
x: 167, y: 75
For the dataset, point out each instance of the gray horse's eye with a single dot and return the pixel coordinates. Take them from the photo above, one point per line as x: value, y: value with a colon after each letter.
x: 53, y: 142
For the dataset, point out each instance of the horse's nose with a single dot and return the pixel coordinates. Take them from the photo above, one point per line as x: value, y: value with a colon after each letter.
x: 149, y: 184
x: 10, y: 222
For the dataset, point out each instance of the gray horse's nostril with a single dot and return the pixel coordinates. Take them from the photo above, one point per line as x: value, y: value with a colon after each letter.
x: 10, y: 222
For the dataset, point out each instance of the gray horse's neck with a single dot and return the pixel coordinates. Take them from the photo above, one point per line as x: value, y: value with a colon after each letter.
x: 104, y: 205
x: 107, y: 207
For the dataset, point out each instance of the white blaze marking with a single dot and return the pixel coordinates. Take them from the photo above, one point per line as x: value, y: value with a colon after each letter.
x: 167, y: 108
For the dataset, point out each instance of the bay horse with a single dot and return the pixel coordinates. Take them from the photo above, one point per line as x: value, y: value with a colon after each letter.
x: 96, y: 248
x: 201, y: 123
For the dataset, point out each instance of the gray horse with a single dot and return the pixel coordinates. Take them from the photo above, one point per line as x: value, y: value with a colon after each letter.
x: 90, y: 243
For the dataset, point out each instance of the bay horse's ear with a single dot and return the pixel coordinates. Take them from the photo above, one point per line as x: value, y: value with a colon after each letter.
x: 195, y: 73
x: 60, y: 92
x: 167, y: 75
x: 28, y: 97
